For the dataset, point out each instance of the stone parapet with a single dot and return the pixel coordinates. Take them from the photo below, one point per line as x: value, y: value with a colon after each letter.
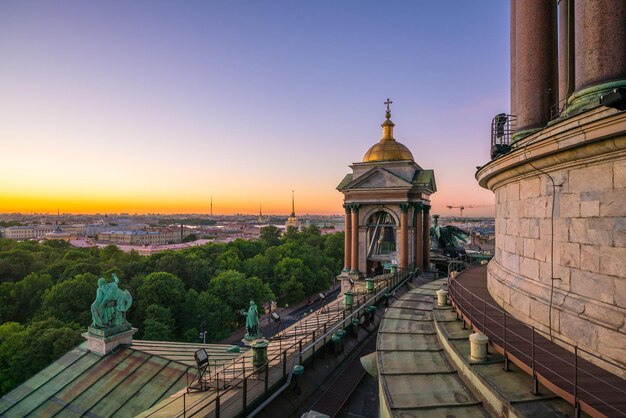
x: 569, y: 226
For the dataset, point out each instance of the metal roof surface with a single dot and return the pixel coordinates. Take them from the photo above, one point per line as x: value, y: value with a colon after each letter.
x: 124, y: 383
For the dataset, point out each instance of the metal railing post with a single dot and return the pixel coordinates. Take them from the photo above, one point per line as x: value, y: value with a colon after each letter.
x: 267, y: 375
x: 245, y: 394
x: 576, y: 404
x: 484, y: 309
x: 324, y: 345
x: 300, y: 350
x: 506, y: 357
x: 284, y: 364
x: 532, y: 351
x: 471, y: 310
x: 313, y: 353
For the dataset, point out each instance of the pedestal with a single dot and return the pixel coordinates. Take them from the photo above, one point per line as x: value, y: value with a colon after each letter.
x: 442, y: 297
x: 259, y: 353
x: 478, y: 346
x: 107, y: 341
x: 347, y: 299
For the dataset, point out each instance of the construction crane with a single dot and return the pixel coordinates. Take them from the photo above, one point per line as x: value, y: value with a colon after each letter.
x: 462, y: 208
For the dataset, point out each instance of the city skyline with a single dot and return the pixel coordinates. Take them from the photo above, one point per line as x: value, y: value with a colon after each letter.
x: 154, y: 108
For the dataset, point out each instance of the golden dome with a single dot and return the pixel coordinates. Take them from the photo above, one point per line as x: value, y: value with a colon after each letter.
x: 388, y: 149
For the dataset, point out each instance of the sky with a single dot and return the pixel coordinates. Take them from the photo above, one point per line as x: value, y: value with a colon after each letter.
x: 159, y: 106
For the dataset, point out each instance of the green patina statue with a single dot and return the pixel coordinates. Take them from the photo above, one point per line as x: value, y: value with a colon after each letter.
x: 111, y: 304
x: 252, y: 322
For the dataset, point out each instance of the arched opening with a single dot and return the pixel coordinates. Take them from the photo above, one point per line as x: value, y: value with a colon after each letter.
x: 381, y: 241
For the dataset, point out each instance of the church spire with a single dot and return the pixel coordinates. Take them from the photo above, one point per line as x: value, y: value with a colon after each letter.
x: 293, y: 206
x: 388, y: 124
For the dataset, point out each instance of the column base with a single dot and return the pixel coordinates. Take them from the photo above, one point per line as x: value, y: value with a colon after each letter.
x: 589, y: 97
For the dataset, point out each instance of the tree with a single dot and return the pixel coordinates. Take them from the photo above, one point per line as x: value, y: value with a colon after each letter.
x: 158, y: 325
x: 70, y: 301
x: 229, y: 260
x: 26, y: 350
x: 16, y: 264
x: 292, y: 291
x: 190, y: 238
x: 161, y: 289
x: 24, y: 297
x: 270, y: 236
x: 236, y: 290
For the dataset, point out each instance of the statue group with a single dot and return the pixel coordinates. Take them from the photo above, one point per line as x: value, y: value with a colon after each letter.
x: 252, y: 322
x: 111, y: 304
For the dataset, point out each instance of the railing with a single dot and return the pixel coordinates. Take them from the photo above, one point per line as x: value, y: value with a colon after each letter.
x: 502, y: 129
x: 300, y: 344
x: 561, y: 372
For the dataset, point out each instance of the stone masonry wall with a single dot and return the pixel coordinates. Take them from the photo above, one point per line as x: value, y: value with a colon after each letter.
x: 589, y: 300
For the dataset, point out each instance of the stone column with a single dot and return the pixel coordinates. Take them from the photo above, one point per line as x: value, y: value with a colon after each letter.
x: 600, y: 32
x: 347, y: 239
x: 404, y: 236
x: 354, y: 265
x: 536, y: 78
x: 512, y: 51
x: 426, y: 236
x: 566, y: 49
x: 419, y: 237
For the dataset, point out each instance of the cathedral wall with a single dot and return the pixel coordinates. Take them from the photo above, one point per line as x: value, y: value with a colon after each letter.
x: 589, y: 233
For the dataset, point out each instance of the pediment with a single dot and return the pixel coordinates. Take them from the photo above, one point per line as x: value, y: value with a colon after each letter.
x: 378, y: 178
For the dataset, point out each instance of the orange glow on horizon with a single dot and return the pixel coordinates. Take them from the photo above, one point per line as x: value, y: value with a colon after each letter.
x: 306, y: 203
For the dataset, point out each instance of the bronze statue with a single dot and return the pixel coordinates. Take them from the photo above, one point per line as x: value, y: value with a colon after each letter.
x: 252, y: 322
x: 111, y: 304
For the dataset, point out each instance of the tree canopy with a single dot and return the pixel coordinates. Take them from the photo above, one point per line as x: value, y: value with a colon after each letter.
x: 46, y: 290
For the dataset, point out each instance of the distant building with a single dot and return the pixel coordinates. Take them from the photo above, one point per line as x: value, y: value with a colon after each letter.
x: 558, y: 171
x: 28, y: 232
x: 138, y: 237
x: 292, y: 220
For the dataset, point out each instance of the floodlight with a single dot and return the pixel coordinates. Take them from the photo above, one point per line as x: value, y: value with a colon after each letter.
x: 322, y: 296
x: 202, y: 357
x: 616, y: 98
x: 351, y: 281
x: 275, y: 317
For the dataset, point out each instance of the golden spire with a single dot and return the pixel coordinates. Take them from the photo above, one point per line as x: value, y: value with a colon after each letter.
x: 387, y: 124
x: 293, y: 206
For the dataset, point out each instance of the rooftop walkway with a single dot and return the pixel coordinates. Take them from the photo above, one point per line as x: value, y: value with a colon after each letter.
x: 578, y: 381
x: 416, y: 377
x: 237, y: 387
x: 120, y: 384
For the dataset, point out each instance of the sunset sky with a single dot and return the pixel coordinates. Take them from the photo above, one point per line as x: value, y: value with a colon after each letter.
x: 155, y: 106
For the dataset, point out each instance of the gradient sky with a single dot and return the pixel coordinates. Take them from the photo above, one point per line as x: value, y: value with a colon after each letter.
x: 155, y: 106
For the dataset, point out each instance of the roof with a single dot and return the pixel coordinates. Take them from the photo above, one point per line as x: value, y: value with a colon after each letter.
x: 124, y: 383
x: 346, y: 180
x: 426, y: 179
x: 416, y: 378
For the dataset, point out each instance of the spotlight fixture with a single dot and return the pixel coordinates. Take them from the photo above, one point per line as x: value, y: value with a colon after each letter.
x: 202, y: 357
x: 616, y: 98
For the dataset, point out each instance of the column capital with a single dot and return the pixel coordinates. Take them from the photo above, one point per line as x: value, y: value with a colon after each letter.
x: 355, y: 207
x: 426, y: 207
x: 347, y: 207
x: 404, y: 207
x: 418, y: 206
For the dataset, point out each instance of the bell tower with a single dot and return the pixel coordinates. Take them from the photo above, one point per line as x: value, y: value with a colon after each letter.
x: 387, y: 206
